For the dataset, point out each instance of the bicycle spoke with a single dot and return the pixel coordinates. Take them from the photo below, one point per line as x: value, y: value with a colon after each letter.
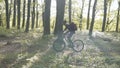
x: 59, y: 45
x: 78, y: 45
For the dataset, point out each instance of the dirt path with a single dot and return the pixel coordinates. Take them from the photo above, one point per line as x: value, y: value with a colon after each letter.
x: 100, y: 51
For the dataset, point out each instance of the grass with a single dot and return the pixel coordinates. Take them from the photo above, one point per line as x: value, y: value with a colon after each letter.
x: 89, y: 58
x: 7, y: 60
x: 31, y: 43
x: 37, y: 46
x: 50, y: 60
x: 34, y: 55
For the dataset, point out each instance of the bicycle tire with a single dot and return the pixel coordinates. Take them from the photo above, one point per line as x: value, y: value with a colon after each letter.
x: 59, y: 45
x: 77, y: 45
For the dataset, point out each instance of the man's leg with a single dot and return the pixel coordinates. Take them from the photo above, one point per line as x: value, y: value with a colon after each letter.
x: 69, y: 38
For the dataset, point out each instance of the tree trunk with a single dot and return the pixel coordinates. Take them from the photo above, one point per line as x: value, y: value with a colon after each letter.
x: 7, y: 14
x: 118, y: 17
x: 10, y: 10
x: 33, y: 15
x: 93, y: 18
x: 37, y: 13
x: 47, y: 17
x: 81, y: 15
x: 14, y: 14
x: 108, y: 15
x: 59, y: 17
x: 88, y: 15
x: 28, y: 16
x: 24, y: 6
x: 69, y: 10
x: 18, y: 16
x: 105, y: 14
x: 1, y: 22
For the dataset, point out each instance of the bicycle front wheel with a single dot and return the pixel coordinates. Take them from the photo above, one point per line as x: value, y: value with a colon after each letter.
x: 78, y: 45
x: 59, y: 45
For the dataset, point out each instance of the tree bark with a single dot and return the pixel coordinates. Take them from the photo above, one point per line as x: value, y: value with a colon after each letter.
x: 59, y: 17
x: 69, y: 10
x: 14, y: 14
x: 88, y: 15
x: 37, y: 13
x: 81, y: 15
x: 10, y: 10
x: 33, y: 15
x: 108, y: 15
x: 7, y: 14
x: 1, y: 22
x: 28, y: 16
x: 24, y: 6
x: 105, y: 14
x: 93, y: 18
x: 118, y: 17
x: 47, y: 17
x: 18, y: 16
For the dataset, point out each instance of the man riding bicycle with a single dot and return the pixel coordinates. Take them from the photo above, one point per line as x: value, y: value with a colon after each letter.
x: 69, y: 29
x: 76, y: 44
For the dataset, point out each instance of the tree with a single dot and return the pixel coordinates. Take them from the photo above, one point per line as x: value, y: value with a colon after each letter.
x: 93, y: 18
x: 1, y: 22
x: 28, y: 16
x: 59, y: 17
x: 37, y: 13
x: 46, y: 16
x: 118, y: 16
x: 33, y: 14
x: 18, y: 16
x: 24, y: 5
x: 69, y: 10
x: 105, y: 14
x: 88, y: 15
x: 108, y: 15
x: 10, y: 10
x: 14, y: 14
x: 7, y: 14
x: 81, y: 14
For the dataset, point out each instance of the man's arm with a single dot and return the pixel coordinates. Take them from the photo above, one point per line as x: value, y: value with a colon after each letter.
x: 66, y: 27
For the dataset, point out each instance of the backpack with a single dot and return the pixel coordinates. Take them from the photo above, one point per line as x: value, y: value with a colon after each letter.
x: 72, y: 27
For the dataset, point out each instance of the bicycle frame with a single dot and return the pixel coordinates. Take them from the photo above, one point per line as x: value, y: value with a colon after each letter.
x: 65, y: 38
x: 64, y: 41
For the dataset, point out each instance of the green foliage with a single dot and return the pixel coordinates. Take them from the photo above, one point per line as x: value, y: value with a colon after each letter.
x: 4, y: 31
x: 98, y: 25
x: 1, y: 0
x: 10, y: 32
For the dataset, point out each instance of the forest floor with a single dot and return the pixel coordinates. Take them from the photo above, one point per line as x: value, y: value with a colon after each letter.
x: 31, y: 50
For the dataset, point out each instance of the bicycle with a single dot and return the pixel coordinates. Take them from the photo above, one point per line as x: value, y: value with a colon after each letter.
x: 60, y: 43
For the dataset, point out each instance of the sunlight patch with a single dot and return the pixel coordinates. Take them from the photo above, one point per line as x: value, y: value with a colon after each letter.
x: 31, y: 60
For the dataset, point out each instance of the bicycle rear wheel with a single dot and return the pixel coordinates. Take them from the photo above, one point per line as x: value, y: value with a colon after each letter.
x: 59, y: 45
x: 78, y: 45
